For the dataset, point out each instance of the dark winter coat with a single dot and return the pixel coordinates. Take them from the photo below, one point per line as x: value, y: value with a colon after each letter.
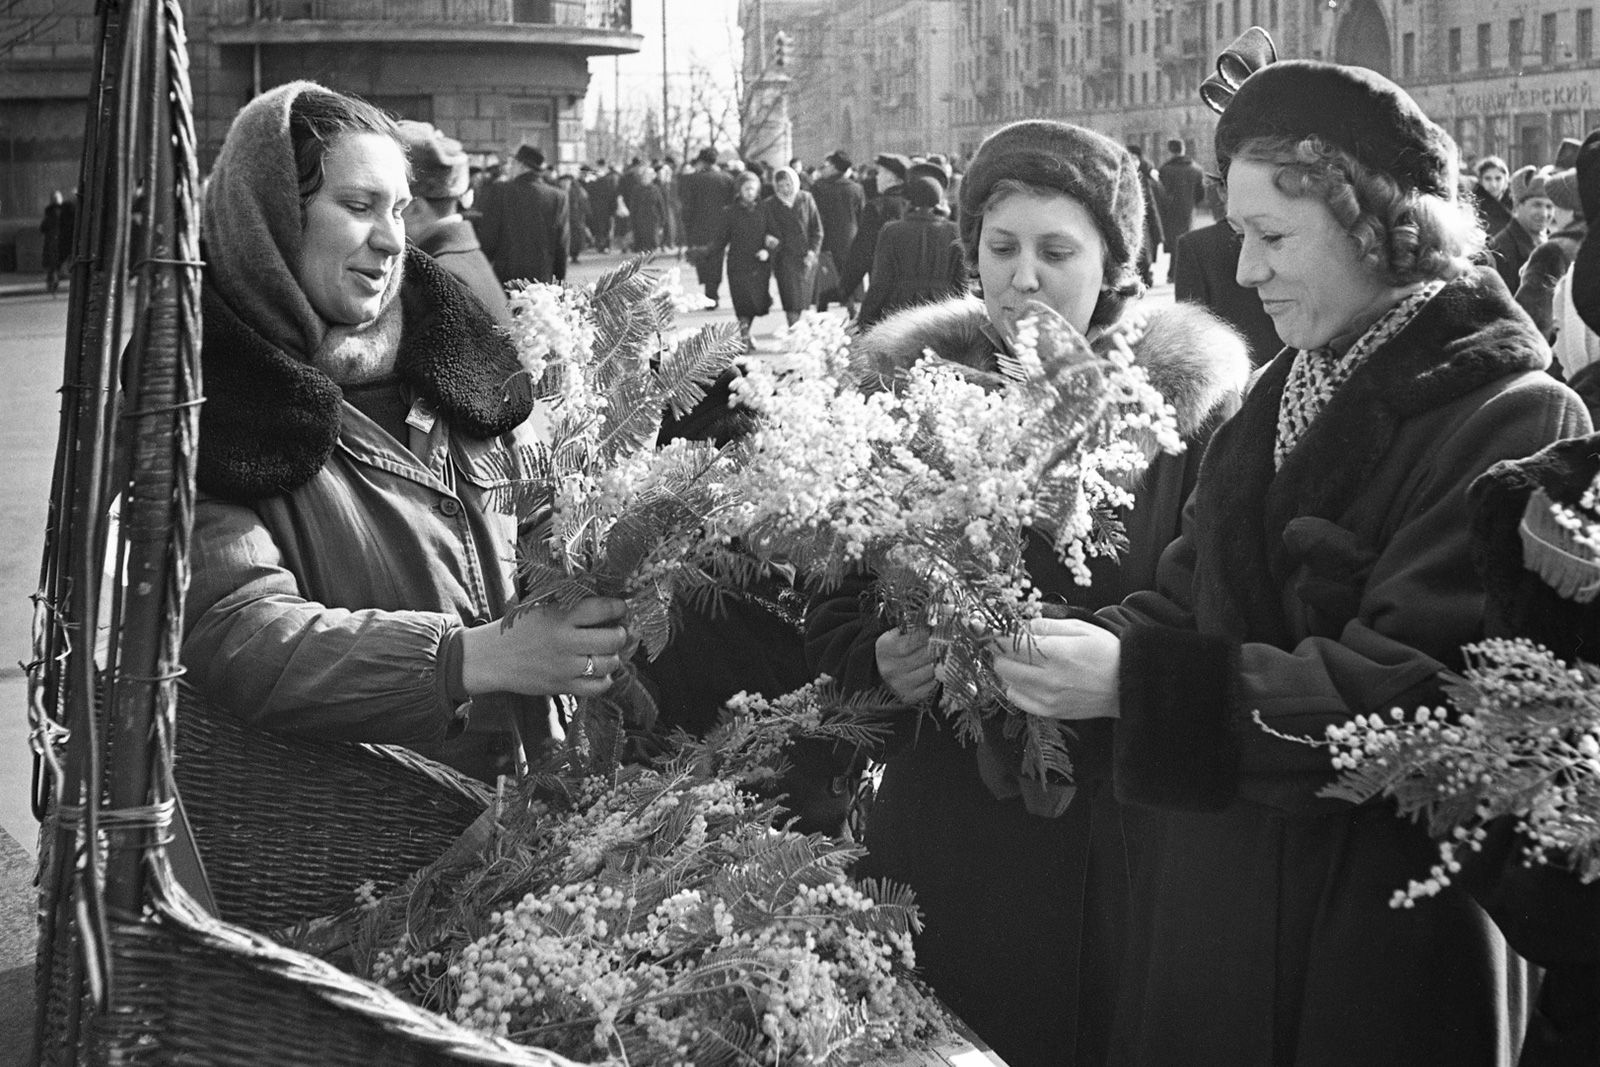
x: 57, y: 227
x: 332, y: 562
x: 454, y: 244
x: 1205, y: 269
x: 1024, y: 914
x: 522, y: 226
x: 647, y: 211
x: 1339, y: 585
x: 703, y: 193
x: 741, y: 236
x: 1183, y: 187
x: 1550, y: 917
x: 879, y: 211
x: 840, y: 202
x: 918, y: 261
x: 1510, y: 249
x: 798, y: 229
x: 577, y: 217
x: 1493, y: 211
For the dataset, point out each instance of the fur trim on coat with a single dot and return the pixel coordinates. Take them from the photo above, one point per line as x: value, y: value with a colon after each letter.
x: 271, y: 420
x: 1194, y: 359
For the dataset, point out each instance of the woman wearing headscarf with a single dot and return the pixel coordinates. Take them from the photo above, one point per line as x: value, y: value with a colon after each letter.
x: 1325, y: 571
x: 794, y: 237
x: 1024, y: 901
x: 349, y: 574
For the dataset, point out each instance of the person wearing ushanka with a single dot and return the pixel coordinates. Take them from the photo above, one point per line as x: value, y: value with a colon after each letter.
x: 433, y: 218
x: 1023, y: 899
x: 349, y: 575
x: 1325, y: 571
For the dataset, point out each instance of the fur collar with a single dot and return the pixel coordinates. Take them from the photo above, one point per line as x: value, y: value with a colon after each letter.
x: 270, y: 420
x: 1466, y: 337
x: 1192, y: 357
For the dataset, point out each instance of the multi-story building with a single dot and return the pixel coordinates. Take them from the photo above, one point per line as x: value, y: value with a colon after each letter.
x: 867, y: 76
x: 492, y: 73
x: 1508, y: 77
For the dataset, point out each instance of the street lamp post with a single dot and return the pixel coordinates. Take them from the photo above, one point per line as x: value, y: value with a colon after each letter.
x: 663, y: 79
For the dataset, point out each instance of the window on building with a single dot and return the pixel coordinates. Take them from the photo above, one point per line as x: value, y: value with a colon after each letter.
x: 1272, y: 14
x: 1585, y: 35
x: 1514, y: 43
x: 1131, y: 86
x: 1237, y: 29
x: 1408, y: 55
x: 1453, y: 58
x: 1144, y: 36
x: 1131, y: 29
x: 1255, y: 12
x: 1485, y: 46
x: 1220, y: 31
x: 1547, y: 40
x: 1144, y: 87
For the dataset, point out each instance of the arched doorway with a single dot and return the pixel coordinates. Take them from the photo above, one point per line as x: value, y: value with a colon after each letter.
x: 1363, y: 38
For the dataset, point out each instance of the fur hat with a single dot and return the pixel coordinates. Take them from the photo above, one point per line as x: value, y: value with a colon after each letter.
x: 925, y: 191
x: 530, y: 157
x: 894, y: 163
x: 1529, y: 182
x: 1562, y: 187
x: 1567, y: 153
x: 1087, y: 166
x: 1350, y: 108
x: 708, y: 156
x: 438, y: 163
x: 1586, y: 266
x: 931, y: 170
x: 839, y: 160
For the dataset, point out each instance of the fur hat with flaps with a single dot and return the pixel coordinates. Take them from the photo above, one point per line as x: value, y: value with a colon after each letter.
x: 1091, y: 168
x: 1350, y: 108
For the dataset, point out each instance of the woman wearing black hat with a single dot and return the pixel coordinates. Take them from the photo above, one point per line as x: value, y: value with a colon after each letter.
x: 1023, y: 899
x: 1325, y: 572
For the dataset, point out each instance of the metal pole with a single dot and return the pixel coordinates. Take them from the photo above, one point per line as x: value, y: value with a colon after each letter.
x: 664, y: 79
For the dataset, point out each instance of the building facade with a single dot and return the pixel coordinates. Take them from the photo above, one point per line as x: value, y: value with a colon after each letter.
x: 1505, y: 77
x: 867, y: 76
x: 492, y: 73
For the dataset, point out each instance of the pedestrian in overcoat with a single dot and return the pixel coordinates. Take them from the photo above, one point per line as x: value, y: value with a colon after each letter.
x: 840, y: 201
x: 919, y: 258
x: 794, y: 236
x: 1024, y: 905
x: 1325, y: 571
x: 522, y: 223
x: 742, y: 237
x: 704, y: 193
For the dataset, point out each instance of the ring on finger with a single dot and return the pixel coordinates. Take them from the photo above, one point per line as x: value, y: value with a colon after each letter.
x: 588, y: 667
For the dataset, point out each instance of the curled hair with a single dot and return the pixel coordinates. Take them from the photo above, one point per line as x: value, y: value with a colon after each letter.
x: 1406, y: 236
x: 317, y: 118
x: 1119, y: 284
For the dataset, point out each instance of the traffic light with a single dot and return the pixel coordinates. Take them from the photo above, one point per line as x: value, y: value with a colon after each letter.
x: 780, y: 49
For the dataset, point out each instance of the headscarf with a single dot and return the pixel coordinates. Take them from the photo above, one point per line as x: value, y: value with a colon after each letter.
x: 794, y: 182
x: 252, y: 226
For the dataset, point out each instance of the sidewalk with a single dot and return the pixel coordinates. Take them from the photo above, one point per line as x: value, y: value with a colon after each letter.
x: 26, y: 285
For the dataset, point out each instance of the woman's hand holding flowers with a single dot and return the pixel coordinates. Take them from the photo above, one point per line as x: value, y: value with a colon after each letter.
x: 906, y: 662
x: 1061, y: 669
x: 548, y: 650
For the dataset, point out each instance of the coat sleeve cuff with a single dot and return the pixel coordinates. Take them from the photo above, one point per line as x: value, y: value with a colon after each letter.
x: 1175, y: 745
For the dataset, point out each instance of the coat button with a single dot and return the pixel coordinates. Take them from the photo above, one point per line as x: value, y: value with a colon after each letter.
x: 450, y: 507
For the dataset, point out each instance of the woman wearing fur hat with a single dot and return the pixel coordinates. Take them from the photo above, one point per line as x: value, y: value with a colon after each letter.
x: 1024, y: 905
x: 1325, y: 571
x: 348, y: 574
